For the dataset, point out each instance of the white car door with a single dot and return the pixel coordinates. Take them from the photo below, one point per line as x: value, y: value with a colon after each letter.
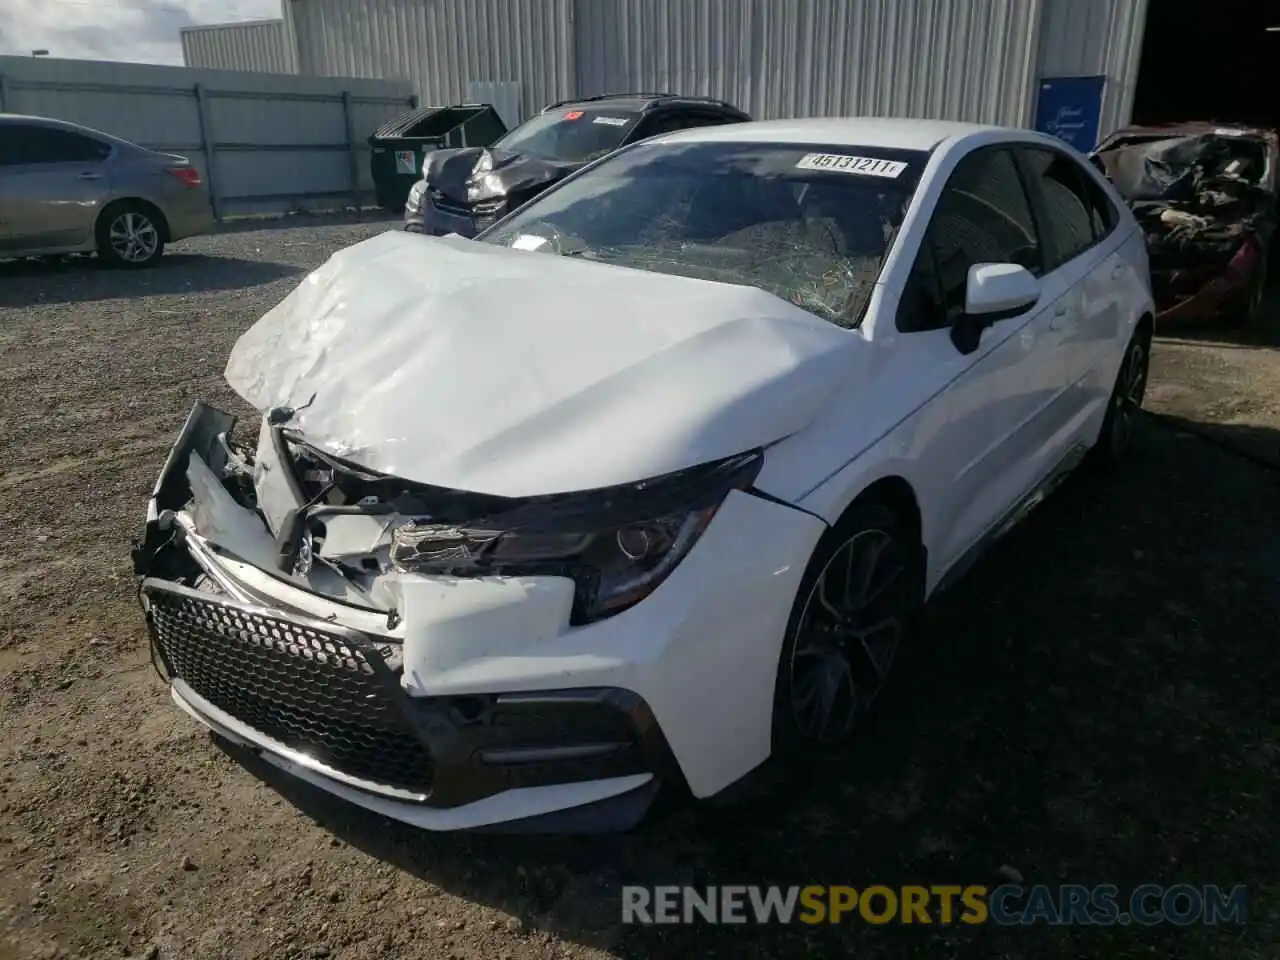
x: 1084, y: 260
x: 996, y: 446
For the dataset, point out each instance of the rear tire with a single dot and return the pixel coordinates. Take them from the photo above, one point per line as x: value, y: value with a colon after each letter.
x: 1115, y: 441
x: 130, y: 235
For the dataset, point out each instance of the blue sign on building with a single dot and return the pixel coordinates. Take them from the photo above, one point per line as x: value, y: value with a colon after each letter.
x: 1071, y: 108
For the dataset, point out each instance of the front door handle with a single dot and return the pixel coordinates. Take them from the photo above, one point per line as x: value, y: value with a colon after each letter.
x: 1059, y: 318
x: 90, y: 176
x: 1117, y: 271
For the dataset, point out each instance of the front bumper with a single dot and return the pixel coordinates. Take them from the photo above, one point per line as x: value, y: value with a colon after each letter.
x: 324, y: 702
x: 480, y: 706
x: 189, y: 215
x: 435, y: 220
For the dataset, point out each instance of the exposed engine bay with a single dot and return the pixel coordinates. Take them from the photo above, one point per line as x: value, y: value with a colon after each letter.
x: 348, y: 534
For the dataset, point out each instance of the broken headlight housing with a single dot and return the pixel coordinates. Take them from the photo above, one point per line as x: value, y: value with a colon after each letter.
x: 413, y: 203
x: 617, y: 545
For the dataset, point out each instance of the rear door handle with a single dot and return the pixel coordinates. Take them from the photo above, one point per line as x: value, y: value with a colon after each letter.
x: 1117, y: 271
x: 90, y: 176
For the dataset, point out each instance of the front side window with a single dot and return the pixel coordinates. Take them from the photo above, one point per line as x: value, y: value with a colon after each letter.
x: 982, y: 216
x: 571, y: 134
x: 1058, y: 179
x: 809, y: 224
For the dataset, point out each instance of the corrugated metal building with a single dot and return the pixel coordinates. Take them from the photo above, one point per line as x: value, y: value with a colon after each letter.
x: 260, y: 46
x: 982, y: 60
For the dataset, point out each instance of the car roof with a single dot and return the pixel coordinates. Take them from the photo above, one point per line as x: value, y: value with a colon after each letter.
x: 1190, y: 128
x: 639, y: 102
x: 42, y: 121
x: 61, y: 125
x: 886, y: 132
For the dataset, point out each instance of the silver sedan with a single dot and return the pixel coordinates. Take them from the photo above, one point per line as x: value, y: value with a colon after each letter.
x: 65, y: 188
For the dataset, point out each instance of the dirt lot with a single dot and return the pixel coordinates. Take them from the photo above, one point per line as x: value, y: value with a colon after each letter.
x: 1095, y: 704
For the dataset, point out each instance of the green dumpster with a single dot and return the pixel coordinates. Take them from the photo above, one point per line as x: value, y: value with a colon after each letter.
x: 399, y: 145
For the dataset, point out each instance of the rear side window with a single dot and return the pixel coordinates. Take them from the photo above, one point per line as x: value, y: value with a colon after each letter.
x: 672, y: 120
x: 667, y: 122
x: 1101, y: 210
x: 1073, y: 222
x: 982, y: 216
x: 35, y: 144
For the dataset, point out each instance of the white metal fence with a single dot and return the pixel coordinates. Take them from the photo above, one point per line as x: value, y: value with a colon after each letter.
x: 266, y: 143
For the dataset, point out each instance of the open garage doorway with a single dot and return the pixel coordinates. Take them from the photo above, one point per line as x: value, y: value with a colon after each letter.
x: 1210, y: 61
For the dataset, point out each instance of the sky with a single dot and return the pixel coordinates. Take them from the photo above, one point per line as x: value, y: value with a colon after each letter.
x: 142, y: 31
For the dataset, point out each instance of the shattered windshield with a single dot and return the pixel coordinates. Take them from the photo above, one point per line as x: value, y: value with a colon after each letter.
x: 570, y: 136
x: 810, y: 225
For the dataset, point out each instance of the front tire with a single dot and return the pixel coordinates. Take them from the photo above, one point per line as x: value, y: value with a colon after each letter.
x: 859, y: 601
x: 130, y: 235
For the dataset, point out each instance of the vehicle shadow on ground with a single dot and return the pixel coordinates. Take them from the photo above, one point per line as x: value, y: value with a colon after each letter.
x: 1093, y: 704
x: 1257, y: 443
x: 24, y: 283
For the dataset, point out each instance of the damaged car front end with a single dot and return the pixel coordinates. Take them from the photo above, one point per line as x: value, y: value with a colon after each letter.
x: 1205, y: 197
x: 288, y: 636
x: 472, y: 588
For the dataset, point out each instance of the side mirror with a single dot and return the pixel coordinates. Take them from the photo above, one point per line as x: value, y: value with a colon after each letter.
x: 999, y: 290
x: 993, y: 292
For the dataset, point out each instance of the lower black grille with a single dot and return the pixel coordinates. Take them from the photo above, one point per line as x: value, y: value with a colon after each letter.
x: 455, y: 209
x: 325, y: 693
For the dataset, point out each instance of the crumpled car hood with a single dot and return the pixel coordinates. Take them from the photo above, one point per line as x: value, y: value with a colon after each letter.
x: 449, y: 170
x: 514, y: 373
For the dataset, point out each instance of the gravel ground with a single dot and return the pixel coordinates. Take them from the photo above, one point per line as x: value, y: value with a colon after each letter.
x: 1095, y: 703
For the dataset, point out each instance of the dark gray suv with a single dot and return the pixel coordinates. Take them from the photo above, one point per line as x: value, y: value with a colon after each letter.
x: 468, y: 189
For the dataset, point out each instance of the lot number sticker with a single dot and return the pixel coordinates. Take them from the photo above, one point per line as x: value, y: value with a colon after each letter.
x: 406, y: 161
x: 611, y: 121
x: 843, y: 163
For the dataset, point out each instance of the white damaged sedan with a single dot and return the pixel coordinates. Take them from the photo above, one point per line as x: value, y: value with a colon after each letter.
x: 650, y: 481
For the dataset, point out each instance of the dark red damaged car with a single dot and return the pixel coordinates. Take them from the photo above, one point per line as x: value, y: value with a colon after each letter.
x: 1205, y: 195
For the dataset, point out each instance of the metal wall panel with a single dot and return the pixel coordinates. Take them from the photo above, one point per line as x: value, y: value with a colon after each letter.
x: 1092, y: 38
x: 504, y: 97
x: 953, y: 59
x: 256, y: 45
x: 278, y: 142
x: 440, y: 46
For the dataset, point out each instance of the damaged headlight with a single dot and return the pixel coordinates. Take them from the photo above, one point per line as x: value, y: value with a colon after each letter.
x: 617, y: 545
x: 413, y: 203
x: 484, y: 184
x: 486, y: 187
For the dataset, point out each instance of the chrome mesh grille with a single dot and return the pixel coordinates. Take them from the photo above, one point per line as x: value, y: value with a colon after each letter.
x: 323, y: 693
